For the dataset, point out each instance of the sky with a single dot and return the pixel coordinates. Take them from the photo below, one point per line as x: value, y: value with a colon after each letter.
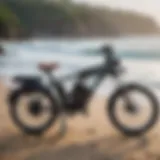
x: 151, y: 7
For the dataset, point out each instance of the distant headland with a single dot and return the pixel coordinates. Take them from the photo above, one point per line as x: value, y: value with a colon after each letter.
x: 39, y: 18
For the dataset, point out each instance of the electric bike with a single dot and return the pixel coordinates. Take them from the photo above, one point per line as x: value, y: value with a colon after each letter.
x: 45, y: 104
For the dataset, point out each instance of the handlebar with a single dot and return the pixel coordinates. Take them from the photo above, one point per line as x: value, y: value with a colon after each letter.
x: 108, y: 52
x: 112, y: 60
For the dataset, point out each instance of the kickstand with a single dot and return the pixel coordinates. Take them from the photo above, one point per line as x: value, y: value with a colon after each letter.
x: 63, y: 124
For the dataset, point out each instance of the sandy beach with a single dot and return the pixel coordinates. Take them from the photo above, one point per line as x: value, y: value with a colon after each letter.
x: 86, y: 138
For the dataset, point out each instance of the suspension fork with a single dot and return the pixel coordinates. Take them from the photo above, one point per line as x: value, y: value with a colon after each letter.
x: 126, y: 98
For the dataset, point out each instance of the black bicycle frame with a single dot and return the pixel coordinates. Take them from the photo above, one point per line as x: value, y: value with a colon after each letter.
x: 108, y: 68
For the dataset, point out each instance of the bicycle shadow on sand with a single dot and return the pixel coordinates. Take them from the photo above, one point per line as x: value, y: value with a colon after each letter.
x: 108, y: 148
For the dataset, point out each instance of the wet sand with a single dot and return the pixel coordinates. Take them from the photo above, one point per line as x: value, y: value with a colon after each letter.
x: 86, y: 138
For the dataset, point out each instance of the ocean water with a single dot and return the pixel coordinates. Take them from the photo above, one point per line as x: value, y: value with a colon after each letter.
x: 140, y: 56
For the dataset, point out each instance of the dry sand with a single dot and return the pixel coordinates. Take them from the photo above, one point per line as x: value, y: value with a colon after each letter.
x: 87, y: 138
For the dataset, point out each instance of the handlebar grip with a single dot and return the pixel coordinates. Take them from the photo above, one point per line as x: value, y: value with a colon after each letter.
x: 109, y: 52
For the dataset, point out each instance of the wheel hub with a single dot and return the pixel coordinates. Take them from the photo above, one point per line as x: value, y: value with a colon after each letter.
x: 35, y: 107
x: 132, y: 109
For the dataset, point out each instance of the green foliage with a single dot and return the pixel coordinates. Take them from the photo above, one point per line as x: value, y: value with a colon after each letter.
x: 9, y: 22
x: 7, y: 16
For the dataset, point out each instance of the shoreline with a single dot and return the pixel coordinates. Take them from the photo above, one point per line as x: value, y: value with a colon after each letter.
x: 80, y: 37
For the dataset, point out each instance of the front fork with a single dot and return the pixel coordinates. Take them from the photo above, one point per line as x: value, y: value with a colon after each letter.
x: 128, y: 101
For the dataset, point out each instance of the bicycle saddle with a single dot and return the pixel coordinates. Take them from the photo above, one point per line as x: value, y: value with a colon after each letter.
x: 49, y: 66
